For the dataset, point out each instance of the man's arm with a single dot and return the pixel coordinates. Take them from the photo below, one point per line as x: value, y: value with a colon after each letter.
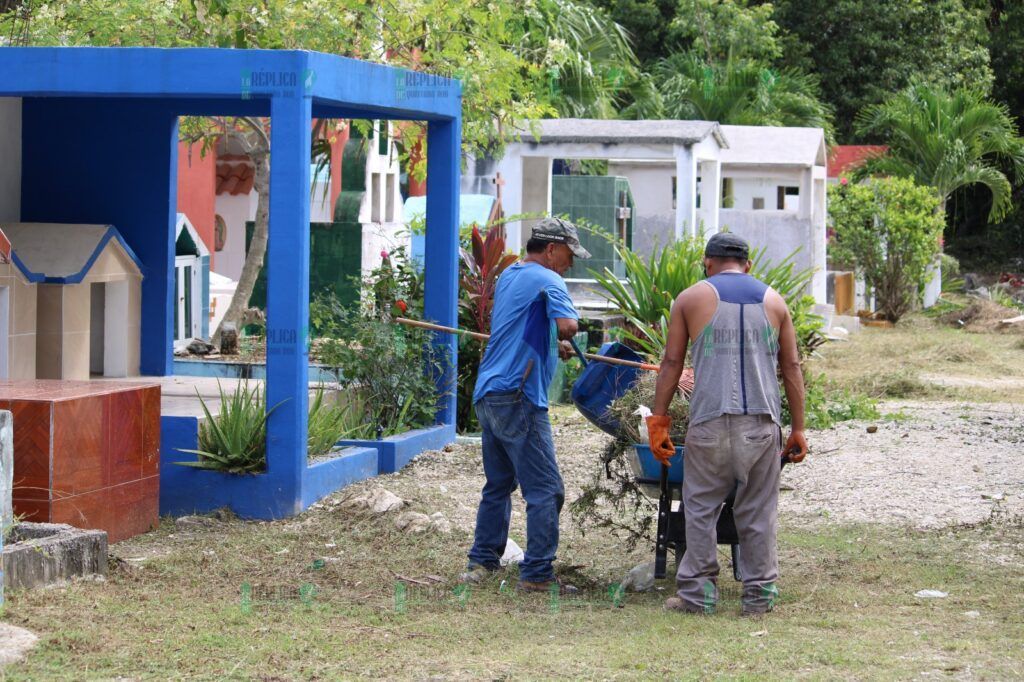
x: 672, y: 362
x: 793, y: 380
x: 567, y: 328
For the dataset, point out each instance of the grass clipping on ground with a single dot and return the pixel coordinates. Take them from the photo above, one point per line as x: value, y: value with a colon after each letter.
x: 613, y: 500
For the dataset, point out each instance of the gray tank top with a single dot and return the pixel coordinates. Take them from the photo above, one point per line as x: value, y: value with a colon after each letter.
x: 735, y: 358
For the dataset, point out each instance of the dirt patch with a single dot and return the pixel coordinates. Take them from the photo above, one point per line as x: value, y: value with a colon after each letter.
x: 981, y: 316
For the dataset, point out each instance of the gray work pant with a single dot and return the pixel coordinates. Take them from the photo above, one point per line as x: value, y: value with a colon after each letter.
x: 727, y: 451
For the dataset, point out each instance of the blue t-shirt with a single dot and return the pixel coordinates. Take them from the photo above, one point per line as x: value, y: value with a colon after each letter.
x: 528, y: 299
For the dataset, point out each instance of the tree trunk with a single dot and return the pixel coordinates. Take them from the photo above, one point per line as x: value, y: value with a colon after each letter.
x: 257, y: 247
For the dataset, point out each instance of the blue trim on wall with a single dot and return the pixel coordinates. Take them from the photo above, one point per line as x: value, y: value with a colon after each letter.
x: 241, y: 370
x: 122, y: 170
x: 29, y: 275
x: 111, y: 233
x: 394, y: 452
x: 186, y: 490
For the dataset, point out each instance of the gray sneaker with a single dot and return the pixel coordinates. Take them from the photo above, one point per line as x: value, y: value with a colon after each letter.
x: 476, y: 574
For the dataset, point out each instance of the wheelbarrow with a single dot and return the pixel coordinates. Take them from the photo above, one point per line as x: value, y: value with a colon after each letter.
x: 599, y: 385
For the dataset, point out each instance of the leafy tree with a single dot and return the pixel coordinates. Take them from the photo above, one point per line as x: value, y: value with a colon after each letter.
x: 946, y: 141
x: 740, y: 93
x: 720, y: 30
x: 586, y: 65
x: 645, y: 21
x: 889, y: 230
x: 1006, y: 49
x: 862, y: 50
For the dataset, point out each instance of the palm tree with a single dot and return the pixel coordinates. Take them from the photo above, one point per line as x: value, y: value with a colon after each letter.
x: 740, y: 93
x: 946, y: 141
x: 586, y: 61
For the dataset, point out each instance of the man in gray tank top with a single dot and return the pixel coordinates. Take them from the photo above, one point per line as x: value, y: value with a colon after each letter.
x: 742, y: 333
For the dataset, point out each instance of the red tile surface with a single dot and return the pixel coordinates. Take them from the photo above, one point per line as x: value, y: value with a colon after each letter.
x: 32, y: 510
x: 31, y: 450
x: 150, y: 431
x: 79, y: 446
x: 87, y: 453
x: 123, y: 510
x: 122, y: 425
x: 57, y: 389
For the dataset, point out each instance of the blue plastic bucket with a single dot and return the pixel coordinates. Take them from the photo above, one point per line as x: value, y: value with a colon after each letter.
x: 600, y: 383
x: 651, y: 467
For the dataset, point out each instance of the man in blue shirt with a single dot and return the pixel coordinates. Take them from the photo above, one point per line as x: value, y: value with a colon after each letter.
x: 532, y: 313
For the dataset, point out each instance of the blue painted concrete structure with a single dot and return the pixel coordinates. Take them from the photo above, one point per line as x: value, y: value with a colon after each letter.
x: 125, y: 104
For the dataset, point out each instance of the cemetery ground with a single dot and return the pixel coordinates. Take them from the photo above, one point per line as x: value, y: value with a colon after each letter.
x: 931, y: 500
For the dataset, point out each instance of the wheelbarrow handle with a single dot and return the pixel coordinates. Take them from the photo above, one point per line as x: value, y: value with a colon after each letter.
x: 580, y: 353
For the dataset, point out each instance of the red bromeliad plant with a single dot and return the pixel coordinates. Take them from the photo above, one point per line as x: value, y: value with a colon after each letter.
x: 480, y: 269
x: 482, y: 263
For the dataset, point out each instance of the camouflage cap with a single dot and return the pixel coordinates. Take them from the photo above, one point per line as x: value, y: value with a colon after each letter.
x: 561, y: 232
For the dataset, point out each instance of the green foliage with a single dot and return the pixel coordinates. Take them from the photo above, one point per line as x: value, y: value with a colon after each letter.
x: 329, y: 422
x: 392, y: 370
x: 721, y: 30
x: 740, y: 92
x: 889, y: 229
x: 1006, y: 47
x: 585, y: 65
x: 863, y: 50
x: 234, y: 441
x: 945, y: 140
x: 654, y: 284
x: 482, y: 261
x: 824, y: 408
x: 470, y: 40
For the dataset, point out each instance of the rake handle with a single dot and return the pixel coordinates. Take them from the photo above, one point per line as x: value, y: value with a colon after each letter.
x: 483, y: 337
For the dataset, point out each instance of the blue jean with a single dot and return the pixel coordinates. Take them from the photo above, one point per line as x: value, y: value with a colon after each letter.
x: 517, y: 447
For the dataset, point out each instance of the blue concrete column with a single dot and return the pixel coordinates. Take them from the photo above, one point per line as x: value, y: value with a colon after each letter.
x: 442, y: 250
x: 288, y: 292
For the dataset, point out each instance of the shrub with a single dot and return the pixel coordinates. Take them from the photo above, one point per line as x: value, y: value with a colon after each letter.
x: 482, y: 262
x: 889, y: 229
x: 329, y: 422
x: 391, y: 368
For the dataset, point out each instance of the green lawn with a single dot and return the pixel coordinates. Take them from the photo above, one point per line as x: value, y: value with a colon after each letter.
x: 848, y: 610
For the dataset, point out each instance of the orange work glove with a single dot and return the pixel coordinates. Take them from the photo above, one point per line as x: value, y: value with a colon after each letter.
x: 796, y: 447
x: 661, y: 444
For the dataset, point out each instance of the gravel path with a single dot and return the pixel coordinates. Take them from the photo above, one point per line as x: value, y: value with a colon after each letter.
x: 942, y: 464
x: 937, y: 465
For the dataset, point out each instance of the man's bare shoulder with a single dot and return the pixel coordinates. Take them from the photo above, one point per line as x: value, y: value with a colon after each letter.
x: 696, y: 293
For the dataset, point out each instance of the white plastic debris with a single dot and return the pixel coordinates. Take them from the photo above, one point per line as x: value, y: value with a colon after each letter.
x: 644, y: 413
x: 640, y: 578
x: 513, y: 553
x: 931, y: 594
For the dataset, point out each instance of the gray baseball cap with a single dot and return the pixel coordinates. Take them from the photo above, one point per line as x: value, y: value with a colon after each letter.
x: 727, y: 245
x: 561, y: 232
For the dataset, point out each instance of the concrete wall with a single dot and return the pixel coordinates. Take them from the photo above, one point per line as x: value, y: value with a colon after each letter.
x: 651, y: 185
x: 745, y: 188
x: 10, y: 159
x: 236, y: 210
x: 779, y: 233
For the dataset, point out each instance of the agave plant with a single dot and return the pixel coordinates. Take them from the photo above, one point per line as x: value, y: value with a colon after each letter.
x: 235, y: 440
